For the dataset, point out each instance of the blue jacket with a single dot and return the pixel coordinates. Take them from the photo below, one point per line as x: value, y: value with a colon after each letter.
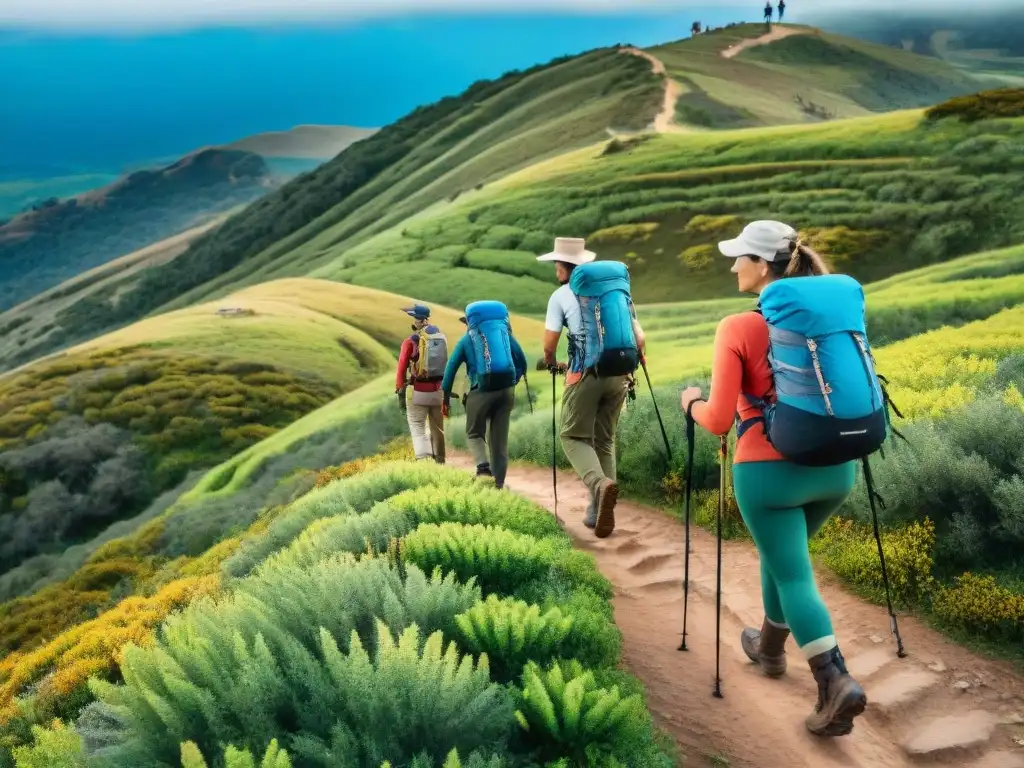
x: 458, y: 357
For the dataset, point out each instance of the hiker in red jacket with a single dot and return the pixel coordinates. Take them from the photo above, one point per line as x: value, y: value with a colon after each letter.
x: 421, y: 362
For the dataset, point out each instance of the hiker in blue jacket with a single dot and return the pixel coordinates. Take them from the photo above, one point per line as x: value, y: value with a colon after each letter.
x: 494, y: 364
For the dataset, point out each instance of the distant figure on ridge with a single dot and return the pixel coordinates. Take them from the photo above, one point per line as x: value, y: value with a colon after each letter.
x: 695, y: 28
x: 782, y: 9
x: 494, y: 365
x: 606, y: 345
x: 768, y: 11
x: 421, y: 362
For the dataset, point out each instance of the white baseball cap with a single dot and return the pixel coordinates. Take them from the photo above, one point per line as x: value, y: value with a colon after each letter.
x: 768, y: 240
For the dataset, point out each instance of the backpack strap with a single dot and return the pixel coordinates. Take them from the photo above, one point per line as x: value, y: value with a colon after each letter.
x: 760, y: 403
x: 742, y: 426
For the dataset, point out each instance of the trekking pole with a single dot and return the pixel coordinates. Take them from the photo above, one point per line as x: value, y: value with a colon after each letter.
x: 894, y: 627
x: 529, y: 399
x: 690, y: 440
x: 664, y: 435
x: 718, y: 584
x: 554, y: 468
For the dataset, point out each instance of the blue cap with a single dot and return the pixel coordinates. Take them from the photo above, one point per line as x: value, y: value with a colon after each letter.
x: 418, y: 311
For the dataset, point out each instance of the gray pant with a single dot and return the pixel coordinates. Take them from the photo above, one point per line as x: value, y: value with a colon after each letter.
x: 489, y: 414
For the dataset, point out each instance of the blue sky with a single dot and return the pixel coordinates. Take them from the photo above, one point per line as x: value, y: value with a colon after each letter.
x: 103, y: 99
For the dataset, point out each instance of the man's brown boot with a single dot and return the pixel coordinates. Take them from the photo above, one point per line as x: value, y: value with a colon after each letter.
x: 766, y: 647
x: 607, y: 493
x: 840, y: 697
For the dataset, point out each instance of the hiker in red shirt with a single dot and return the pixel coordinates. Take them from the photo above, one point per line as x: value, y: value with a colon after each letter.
x: 421, y: 362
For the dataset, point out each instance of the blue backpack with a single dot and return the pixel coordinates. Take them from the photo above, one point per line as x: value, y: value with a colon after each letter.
x: 489, y: 348
x: 609, y: 343
x: 830, y: 406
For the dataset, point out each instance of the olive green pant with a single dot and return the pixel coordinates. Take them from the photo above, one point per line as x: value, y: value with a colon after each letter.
x: 488, y: 414
x: 590, y: 414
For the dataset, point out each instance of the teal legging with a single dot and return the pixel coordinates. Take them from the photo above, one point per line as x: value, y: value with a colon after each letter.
x: 784, y: 505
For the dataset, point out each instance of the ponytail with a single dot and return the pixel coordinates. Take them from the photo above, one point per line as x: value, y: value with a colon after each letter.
x: 798, y: 260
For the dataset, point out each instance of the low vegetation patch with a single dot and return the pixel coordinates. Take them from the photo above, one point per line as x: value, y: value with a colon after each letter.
x: 92, y: 439
x: 986, y: 105
x: 877, y: 197
x: 425, y: 648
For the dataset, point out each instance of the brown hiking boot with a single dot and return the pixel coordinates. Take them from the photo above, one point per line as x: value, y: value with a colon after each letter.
x: 840, y: 697
x: 607, y: 494
x: 766, y: 647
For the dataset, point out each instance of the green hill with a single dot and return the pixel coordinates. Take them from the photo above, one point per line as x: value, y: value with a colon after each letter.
x: 416, y: 170
x: 59, y: 239
x: 879, y: 195
x: 738, y: 77
x: 93, y: 435
x: 431, y: 155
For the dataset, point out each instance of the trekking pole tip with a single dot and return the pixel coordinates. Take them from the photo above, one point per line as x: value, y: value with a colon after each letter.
x: 717, y: 693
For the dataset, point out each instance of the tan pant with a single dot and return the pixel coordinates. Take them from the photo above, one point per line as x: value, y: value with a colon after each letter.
x: 426, y: 424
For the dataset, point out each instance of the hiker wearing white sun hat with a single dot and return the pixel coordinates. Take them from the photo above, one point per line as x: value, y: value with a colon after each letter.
x: 593, y: 397
x: 569, y: 250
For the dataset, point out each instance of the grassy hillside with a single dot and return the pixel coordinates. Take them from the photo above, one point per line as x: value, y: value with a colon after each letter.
x: 346, y: 598
x: 803, y: 77
x: 182, y: 392
x: 879, y: 195
x: 429, y: 156
x: 30, y: 330
x: 59, y: 239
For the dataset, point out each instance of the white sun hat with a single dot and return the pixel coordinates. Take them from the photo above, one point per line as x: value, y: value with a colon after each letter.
x: 570, y: 250
x: 765, y: 239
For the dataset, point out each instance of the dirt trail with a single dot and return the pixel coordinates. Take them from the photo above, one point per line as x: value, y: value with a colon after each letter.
x: 942, y: 705
x: 776, y: 34
x: 664, y: 121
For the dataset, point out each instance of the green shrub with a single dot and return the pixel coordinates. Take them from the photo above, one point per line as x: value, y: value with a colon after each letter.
x: 566, y: 715
x: 578, y: 569
x: 594, y: 639
x: 473, y: 505
x: 406, y: 698
x: 328, y: 501
x: 362, y: 491
x: 985, y: 105
x: 851, y: 551
x: 341, y: 595
x: 958, y: 470
x: 56, y: 747
x: 274, y: 757
x: 978, y: 605
x: 476, y: 759
x: 354, y: 534
x: 501, y: 561
x: 511, y: 633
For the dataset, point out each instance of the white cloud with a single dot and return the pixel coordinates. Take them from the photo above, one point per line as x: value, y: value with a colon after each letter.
x: 143, y: 14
